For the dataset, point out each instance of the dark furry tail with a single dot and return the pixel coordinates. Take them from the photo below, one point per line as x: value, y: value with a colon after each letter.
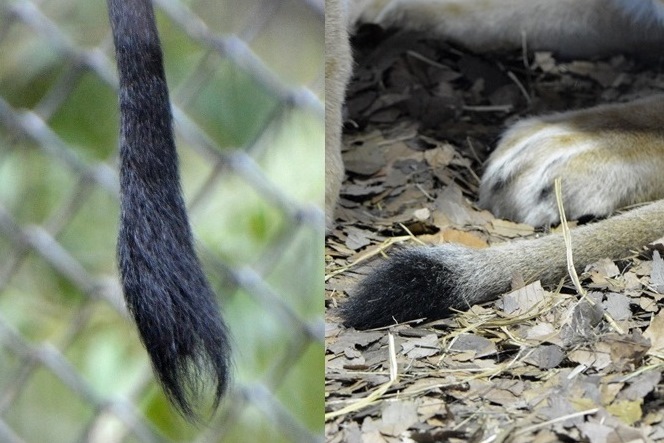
x: 432, y: 282
x: 165, y: 288
x: 419, y: 283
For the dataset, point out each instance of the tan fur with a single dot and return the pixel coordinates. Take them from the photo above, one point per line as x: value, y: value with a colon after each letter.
x: 337, y: 72
x: 568, y: 27
x: 608, y: 156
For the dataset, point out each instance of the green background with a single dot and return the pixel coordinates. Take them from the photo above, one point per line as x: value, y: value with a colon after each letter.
x: 277, y: 393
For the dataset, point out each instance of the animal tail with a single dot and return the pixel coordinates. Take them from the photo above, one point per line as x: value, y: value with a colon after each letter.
x: 164, y: 286
x: 431, y: 282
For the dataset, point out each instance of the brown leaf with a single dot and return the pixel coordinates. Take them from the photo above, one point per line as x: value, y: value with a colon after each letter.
x: 456, y: 208
x: 545, y: 356
x: 506, y: 228
x: 421, y: 347
x: 475, y: 343
x: 641, y: 385
x: 357, y: 238
x: 397, y: 417
x: 655, y: 333
x: 657, y: 276
x: 617, y: 306
x: 627, y: 350
x: 441, y: 156
x: 352, y: 338
x: 598, y: 358
x: 524, y: 299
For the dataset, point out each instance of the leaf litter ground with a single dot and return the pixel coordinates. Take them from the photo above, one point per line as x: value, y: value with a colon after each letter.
x: 537, y: 365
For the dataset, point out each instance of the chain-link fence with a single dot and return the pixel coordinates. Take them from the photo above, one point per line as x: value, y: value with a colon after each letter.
x: 246, y: 80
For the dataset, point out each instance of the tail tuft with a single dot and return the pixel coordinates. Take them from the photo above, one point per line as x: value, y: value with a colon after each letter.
x: 164, y: 286
x: 413, y: 283
x: 173, y: 306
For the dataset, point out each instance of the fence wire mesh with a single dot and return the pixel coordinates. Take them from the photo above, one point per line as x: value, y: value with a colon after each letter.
x: 246, y: 80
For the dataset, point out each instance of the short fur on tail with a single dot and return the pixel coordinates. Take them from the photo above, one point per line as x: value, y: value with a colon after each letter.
x: 429, y: 282
x: 164, y: 286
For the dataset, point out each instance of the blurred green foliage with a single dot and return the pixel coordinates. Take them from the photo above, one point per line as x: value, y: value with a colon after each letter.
x: 233, y: 223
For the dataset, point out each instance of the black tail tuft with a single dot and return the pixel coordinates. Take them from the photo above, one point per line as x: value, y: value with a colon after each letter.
x: 166, y: 291
x: 174, y: 308
x: 413, y: 283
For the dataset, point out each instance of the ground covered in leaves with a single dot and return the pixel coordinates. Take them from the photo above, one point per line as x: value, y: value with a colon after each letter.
x: 538, y: 365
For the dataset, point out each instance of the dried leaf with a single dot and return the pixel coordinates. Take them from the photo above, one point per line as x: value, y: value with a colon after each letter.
x: 524, y: 299
x: 357, y: 238
x: 475, y: 343
x: 627, y: 350
x: 545, y: 356
x: 627, y: 411
x: 506, y: 228
x: 596, y: 432
x: 398, y: 416
x: 657, y: 276
x: 469, y: 239
x: 640, y: 386
x: 422, y: 347
x: 605, y: 267
x: 617, y: 306
x: 456, y: 208
x: 598, y: 358
x: 352, y: 338
x: 655, y: 333
x: 540, y: 332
